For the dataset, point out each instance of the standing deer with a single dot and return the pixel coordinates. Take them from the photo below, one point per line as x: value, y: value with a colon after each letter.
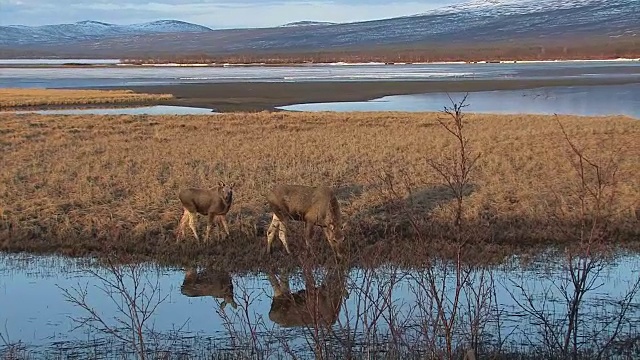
x: 312, y: 306
x: 313, y: 205
x: 214, y: 283
x: 213, y: 203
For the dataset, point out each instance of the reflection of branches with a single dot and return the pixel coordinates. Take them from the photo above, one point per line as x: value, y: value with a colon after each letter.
x: 243, y: 329
x: 481, y: 309
x: 618, y: 320
x: 536, y: 307
x: 382, y: 309
x: 4, y: 336
x: 567, y: 335
x: 364, y: 317
x: 10, y: 350
x: 441, y: 303
x: 135, y: 296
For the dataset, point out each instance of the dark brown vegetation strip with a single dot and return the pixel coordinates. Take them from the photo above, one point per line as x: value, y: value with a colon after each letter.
x: 211, y: 48
x: 83, y: 185
x: 563, y: 48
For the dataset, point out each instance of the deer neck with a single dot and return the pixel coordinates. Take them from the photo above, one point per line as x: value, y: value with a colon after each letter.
x: 227, y: 201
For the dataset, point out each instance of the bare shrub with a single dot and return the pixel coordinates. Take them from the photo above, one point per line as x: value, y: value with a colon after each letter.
x: 576, y: 335
x: 456, y: 168
x: 444, y: 288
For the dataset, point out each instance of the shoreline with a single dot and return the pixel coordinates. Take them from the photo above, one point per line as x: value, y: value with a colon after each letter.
x: 80, y: 63
x: 268, y: 96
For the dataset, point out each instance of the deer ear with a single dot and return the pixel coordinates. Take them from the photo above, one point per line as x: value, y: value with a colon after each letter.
x: 221, y: 183
x: 232, y: 185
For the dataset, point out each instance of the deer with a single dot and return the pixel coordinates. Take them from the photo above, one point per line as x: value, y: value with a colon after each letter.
x: 311, y: 306
x: 315, y: 206
x: 213, y: 203
x: 214, y: 283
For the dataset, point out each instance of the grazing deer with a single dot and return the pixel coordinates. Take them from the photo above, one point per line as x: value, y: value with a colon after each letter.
x: 313, y: 205
x: 214, y: 283
x: 213, y: 203
x: 314, y: 305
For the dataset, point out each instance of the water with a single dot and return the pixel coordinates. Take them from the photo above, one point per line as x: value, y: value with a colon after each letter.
x: 58, y: 61
x: 579, y: 100
x: 148, y: 110
x: 576, y: 100
x: 369, y: 304
x: 50, y: 77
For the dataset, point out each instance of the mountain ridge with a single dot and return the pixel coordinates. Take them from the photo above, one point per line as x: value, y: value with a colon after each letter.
x: 90, y: 29
x: 476, y: 21
x: 308, y: 23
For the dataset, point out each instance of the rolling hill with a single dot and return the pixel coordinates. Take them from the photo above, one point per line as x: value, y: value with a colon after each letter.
x: 473, y: 22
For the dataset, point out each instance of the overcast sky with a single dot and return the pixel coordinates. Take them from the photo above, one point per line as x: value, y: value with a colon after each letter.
x: 212, y: 13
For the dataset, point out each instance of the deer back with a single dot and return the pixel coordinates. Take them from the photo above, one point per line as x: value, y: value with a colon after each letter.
x: 325, y: 209
x: 304, y: 203
x: 204, y: 201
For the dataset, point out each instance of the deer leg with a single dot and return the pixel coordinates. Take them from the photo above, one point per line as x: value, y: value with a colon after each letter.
x: 282, y: 235
x: 192, y: 225
x: 332, y: 243
x: 218, y: 225
x: 223, y: 221
x: 210, y: 219
x: 308, y: 232
x: 327, y: 234
x: 183, y: 223
x: 271, y: 232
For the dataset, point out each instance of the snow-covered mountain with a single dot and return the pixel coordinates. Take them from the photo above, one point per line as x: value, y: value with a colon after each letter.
x: 473, y: 22
x: 83, y: 30
x: 307, y: 23
x: 510, y: 7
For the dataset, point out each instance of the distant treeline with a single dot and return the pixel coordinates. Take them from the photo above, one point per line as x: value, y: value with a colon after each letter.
x: 562, y: 48
x: 581, y: 49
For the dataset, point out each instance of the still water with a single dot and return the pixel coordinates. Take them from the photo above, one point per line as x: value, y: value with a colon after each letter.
x: 578, y: 100
x: 54, y: 61
x: 198, y: 313
x: 57, y: 77
x: 575, y: 100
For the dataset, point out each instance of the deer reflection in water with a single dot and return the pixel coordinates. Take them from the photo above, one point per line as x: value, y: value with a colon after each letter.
x: 312, y: 306
x: 209, y: 282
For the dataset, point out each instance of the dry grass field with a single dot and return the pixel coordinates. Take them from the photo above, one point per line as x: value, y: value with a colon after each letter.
x: 17, y: 98
x: 89, y: 184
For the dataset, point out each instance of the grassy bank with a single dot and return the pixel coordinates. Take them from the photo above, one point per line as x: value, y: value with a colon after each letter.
x: 21, y: 98
x: 94, y: 184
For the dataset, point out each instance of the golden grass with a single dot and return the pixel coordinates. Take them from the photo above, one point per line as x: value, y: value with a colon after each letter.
x: 12, y: 98
x: 80, y: 182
